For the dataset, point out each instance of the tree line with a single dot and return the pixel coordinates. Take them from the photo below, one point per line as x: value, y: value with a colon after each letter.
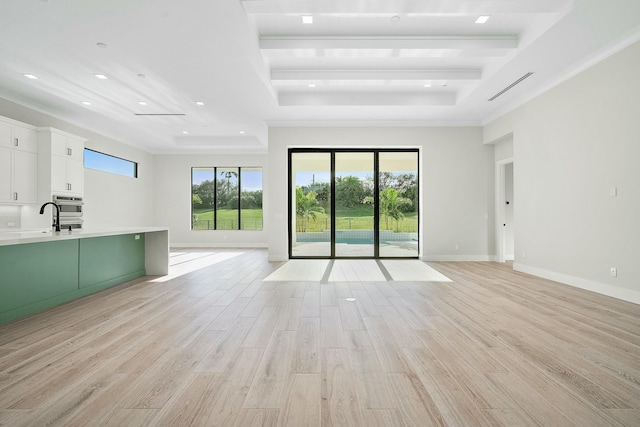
x: 226, y: 194
x: 352, y: 191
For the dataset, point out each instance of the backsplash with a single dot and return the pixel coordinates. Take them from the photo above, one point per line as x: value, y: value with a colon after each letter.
x: 10, y: 217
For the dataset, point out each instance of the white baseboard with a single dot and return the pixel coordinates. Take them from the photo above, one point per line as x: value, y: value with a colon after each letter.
x: 458, y: 258
x: 218, y: 245
x: 589, y: 285
x: 278, y: 257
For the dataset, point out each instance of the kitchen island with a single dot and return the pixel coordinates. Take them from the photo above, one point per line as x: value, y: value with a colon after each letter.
x: 41, y: 269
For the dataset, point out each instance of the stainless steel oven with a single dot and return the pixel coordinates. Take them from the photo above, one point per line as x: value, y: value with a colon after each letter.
x: 71, y: 211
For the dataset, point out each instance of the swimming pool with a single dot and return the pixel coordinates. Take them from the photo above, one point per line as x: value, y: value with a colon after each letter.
x: 355, y: 236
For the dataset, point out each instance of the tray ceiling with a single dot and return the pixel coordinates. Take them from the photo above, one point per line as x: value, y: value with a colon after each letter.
x: 207, y: 76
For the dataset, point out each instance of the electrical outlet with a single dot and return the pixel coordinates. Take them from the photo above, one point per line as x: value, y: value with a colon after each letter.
x: 11, y: 224
x: 137, y: 237
x: 613, y: 271
x: 457, y: 247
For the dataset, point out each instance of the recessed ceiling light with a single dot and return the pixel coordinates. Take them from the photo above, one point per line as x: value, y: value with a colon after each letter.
x: 142, y: 76
x: 312, y: 85
x: 185, y: 132
x: 482, y: 19
x: 85, y: 103
x: 307, y: 19
x: 395, y: 19
x: 242, y: 132
x: 30, y: 76
x: 427, y: 85
x: 201, y: 103
x: 101, y: 76
x: 142, y: 103
x: 101, y: 45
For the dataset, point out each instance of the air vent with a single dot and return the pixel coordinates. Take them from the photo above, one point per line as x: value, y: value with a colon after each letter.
x: 510, y: 86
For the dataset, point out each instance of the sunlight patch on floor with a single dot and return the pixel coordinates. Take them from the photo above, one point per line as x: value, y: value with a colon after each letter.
x: 299, y: 270
x: 366, y: 270
x: 348, y: 270
x: 411, y: 271
x: 183, y: 262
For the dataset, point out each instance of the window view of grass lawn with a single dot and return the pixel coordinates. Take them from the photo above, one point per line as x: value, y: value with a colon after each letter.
x: 226, y: 199
x: 338, y: 195
x: 354, y: 204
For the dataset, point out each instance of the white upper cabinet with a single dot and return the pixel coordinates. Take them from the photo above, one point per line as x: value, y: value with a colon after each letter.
x: 18, y: 162
x: 66, y: 146
x: 25, y: 172
x: 6, y: 134
x: 18, y: 137
x: 25, y: 139
x: 6, y: 175
x: 62, y: 160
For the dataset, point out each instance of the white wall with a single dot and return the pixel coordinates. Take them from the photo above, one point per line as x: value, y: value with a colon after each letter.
x: 172, y: 194
x: 571, y: 146
x: 457, y: 184
x: 110, y: 200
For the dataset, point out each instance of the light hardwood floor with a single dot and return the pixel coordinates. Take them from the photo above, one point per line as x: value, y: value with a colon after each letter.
x: 217, y: 346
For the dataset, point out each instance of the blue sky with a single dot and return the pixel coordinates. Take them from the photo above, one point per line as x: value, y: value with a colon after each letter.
x: 306, y: 178
x: 251, y: 177
x: 107, y: 163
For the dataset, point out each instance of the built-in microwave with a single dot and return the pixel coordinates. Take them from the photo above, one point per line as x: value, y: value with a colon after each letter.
x: 71, y: 211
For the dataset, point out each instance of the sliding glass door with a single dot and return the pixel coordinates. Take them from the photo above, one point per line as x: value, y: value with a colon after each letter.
x: 353, y: 203
x: 398, y: 204
x: 354, y: 212
x: 310, y: 201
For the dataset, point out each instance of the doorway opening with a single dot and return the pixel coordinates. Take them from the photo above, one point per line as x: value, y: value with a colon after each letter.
x: 353, y: 203
x: 505, y: 211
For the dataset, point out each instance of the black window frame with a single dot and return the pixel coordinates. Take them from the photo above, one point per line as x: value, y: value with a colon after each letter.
x: 239, y: 196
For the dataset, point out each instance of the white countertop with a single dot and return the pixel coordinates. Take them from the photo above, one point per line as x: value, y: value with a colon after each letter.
x: 16, y: 237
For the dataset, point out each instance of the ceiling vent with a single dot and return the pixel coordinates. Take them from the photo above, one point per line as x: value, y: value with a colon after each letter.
x: 160, y: 114
x: 511, y: 86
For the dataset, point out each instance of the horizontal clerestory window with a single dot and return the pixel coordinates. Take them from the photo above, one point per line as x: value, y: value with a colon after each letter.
x: 107, y: 163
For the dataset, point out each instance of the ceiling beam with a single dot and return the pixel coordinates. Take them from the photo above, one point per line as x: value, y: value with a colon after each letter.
x: 453, y: 74
x: 363, y: 99
x: 272, y: 43
x: 408, y: 7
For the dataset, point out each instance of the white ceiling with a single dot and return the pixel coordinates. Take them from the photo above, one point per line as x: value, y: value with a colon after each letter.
x: 252, y: 62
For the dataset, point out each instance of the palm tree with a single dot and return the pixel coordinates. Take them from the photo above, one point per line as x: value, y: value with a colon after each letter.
x: 228, y: 175
x: 307, y: 207
x: 391, y: 205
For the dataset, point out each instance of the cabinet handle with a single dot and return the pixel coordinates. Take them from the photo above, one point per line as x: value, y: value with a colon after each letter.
x: 68, y: 186
x: 15, y: 196
x: 16, y: 142
x: 68, y: 151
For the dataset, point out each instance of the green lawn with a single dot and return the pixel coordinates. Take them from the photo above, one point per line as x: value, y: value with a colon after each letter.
x: 360, y: 219
x: 227, y: 219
